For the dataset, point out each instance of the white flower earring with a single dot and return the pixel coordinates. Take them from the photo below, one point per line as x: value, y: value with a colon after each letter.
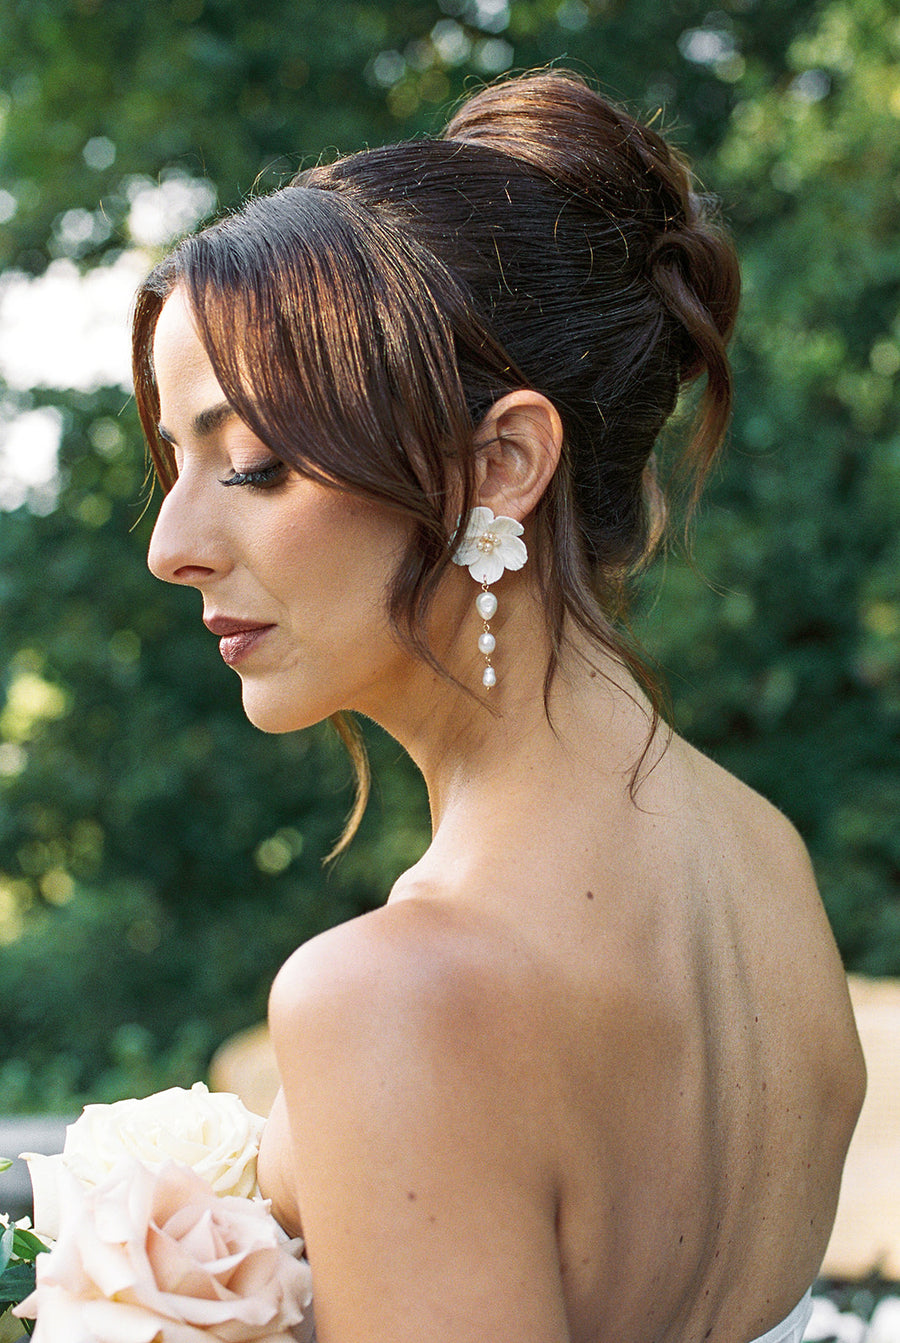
x: 487, y: 547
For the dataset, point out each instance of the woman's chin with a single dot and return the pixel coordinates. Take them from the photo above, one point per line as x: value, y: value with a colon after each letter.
x: 272, y: 714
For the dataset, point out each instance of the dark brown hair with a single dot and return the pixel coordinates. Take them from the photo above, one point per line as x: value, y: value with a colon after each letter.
x: 363, y: 320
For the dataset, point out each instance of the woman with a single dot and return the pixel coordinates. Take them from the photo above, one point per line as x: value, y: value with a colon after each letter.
x: 591, y: 1072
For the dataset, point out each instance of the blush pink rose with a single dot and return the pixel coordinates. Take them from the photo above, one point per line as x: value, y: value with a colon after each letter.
x: 158, y: 1257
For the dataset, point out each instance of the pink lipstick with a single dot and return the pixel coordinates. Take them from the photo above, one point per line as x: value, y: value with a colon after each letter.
x: 237, y: 638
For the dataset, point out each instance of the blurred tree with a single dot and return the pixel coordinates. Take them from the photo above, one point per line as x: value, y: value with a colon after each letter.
x: 158, y: 857
x: 791, y: 673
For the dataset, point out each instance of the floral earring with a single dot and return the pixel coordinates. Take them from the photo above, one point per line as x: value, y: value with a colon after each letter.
x: 487, y: 547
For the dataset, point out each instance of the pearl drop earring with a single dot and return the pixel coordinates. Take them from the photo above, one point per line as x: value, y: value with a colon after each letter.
x: 488, y: 546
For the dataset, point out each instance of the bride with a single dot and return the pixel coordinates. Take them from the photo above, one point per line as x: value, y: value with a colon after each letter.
x: 591, y: 1072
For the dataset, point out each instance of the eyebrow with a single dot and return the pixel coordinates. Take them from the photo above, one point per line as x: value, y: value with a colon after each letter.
x: 206, y: 422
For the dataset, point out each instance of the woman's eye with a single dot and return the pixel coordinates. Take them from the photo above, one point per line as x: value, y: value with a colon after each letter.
x: 261, y: 476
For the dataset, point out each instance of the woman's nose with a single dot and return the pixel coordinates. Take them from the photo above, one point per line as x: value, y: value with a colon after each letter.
x: 184, y: 547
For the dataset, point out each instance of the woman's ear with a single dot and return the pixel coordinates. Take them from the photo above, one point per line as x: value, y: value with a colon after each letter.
x: 518, y: 445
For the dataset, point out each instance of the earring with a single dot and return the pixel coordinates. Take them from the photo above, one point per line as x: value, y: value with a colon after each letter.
x: 488, y: 546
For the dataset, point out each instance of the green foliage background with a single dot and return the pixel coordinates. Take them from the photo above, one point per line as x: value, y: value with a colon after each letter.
x: 159, y: 857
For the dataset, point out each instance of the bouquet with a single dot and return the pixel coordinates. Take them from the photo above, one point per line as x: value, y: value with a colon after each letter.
x: 150, y: 1228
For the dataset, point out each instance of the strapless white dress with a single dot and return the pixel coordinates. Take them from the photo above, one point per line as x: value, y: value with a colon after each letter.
x: 791, y: 1329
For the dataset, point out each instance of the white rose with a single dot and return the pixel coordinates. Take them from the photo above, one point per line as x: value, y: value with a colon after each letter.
x: 212, y: 1133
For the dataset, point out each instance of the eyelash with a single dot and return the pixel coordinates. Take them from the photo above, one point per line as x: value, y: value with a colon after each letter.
x: 264, y: 477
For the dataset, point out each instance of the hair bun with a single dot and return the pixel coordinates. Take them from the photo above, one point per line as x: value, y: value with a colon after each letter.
x: 686, y: 267
x: 555, y: 122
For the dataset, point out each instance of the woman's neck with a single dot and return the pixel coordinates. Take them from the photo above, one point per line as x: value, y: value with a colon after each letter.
x: 482, y: 749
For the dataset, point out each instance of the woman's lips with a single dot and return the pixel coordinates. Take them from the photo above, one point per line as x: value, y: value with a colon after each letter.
x: 234, y: 647
x: 237, y: 638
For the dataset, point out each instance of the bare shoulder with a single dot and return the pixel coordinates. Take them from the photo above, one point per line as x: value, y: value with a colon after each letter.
x: 755, y: 823
x: 779, y: 898
x: 417, y: 992
x: 418, y: 965
x: 423, y: 1192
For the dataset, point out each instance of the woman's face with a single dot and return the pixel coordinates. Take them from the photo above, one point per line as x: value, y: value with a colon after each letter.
x: 293, y: 574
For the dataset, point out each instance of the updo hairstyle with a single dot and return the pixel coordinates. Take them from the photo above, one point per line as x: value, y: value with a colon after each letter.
x: 364, y: 319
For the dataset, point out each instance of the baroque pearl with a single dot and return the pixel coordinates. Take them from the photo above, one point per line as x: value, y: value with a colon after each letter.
x: 486, y: 643
x: 489, y: 678
x: 486, y: 605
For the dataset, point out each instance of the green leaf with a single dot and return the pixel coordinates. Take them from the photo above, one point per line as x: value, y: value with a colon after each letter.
x: 16, y: 1282
x: 5, y: 1164
x: 7, y: 1241
x: 27, y: 1245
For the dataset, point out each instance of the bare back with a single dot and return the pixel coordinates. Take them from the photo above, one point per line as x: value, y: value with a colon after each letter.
x: 658, y: 1018
x: 711, y: 1074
